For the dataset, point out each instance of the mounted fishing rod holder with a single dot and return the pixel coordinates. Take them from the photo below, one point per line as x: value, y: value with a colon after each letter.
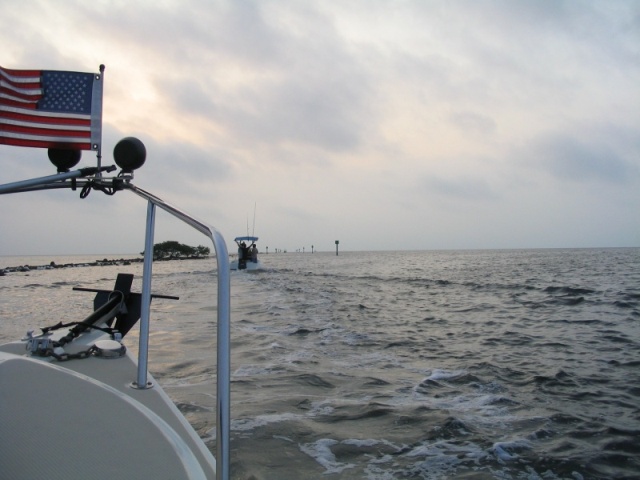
x: 129, y: 155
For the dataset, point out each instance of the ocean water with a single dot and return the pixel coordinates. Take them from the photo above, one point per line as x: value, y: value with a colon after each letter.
x: 514, y: 364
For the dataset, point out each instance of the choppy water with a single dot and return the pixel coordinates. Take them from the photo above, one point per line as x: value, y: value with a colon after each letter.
x: 382, y: 365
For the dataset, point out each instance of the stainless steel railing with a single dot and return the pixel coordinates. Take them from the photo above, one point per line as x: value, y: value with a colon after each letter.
x: 223, y: 390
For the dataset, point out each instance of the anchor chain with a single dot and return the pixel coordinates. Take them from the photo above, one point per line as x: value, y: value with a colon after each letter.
x: 71, y: 356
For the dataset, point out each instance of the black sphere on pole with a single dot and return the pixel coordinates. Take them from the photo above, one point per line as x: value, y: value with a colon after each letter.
x: 129, y: 154
x: 64, y: 158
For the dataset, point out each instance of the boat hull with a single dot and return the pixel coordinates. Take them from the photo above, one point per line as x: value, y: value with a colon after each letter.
x: 249, y: 266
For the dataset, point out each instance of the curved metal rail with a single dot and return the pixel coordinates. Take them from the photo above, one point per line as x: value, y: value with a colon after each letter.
x: 223, y: 394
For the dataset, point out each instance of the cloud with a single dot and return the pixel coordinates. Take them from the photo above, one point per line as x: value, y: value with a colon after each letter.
x: 466, y: 120
x: 579, y: 157
x: 255, y: 74
x: 463, y: 187
x: 471, y: 122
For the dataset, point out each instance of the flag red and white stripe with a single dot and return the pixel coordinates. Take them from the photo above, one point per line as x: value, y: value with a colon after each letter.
x: 51, y: 109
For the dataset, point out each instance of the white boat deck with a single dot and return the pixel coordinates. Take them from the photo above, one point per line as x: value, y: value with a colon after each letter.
x: 104, y: 427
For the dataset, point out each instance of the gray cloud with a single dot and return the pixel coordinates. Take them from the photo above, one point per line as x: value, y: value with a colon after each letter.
x: 177, y: 167
x: 471, y: 122
x: 461, y: 187
x: 578, y: 157
x: 517, y: 115
x: 312, y: 93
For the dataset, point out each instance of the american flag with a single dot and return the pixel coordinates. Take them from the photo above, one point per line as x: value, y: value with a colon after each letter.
x: 51, y: 109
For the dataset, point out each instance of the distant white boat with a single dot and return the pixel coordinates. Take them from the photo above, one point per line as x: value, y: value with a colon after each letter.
x: 247, y: 254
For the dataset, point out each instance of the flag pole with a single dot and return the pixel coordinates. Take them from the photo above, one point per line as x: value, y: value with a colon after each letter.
x: 99, y: 152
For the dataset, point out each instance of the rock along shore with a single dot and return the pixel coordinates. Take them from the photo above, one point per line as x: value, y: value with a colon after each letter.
x: 97, y: 263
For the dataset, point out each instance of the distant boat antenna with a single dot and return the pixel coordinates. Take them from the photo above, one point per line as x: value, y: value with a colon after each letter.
x: 254, y: 220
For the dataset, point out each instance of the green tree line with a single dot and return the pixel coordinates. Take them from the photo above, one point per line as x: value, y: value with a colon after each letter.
x: 173, y: 249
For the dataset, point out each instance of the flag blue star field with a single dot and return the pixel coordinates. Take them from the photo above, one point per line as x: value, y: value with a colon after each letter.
x: 51, y: 109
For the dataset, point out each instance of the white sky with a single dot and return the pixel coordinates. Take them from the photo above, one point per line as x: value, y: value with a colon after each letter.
x: 387, y: 125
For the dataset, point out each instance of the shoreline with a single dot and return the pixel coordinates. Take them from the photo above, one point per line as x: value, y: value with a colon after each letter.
x: 97, y: 263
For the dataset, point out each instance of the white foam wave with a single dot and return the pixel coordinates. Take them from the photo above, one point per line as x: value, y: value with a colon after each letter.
x: 321, y: 452
x: 255, y: 370
x: 246, y: 424
x: 508, y: 451
x: 438, y: 374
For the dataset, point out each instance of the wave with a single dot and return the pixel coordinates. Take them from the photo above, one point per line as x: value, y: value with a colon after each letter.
x: 471, y: 365
x: 308, y: 379
x: 345, y: 413
x: 304, y: 331
x: 569, y: 290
